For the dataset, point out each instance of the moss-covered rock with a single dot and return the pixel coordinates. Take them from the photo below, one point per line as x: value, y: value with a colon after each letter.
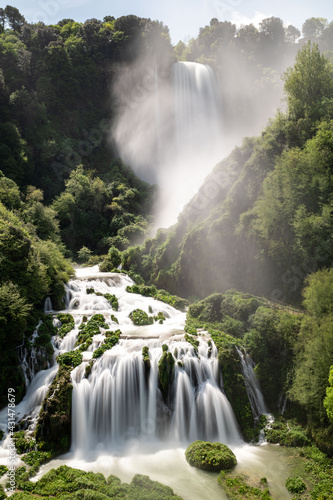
x: 140, y: 318
x: 53, y: 431
x: 71, y: 359
x: 67, y: 323
x: 23, y: 443
x: 91, y: 328
x: 146, y: 358
x: 3, y: 470
x: 286, y: 435
x: 162, y: 295
x: 165, y: 370
x: 111, y: 340
x: 191, y: 340
x: 209, y: 456
x: 113, y: 301
x: 234, y: 385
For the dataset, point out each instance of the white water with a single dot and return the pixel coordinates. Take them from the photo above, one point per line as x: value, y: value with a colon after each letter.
x: 252, y: 385
x: 197, y: 116
x: 198, y: 138
x: 171, y: 135
x: 119, y: 402
x: 121, y: 425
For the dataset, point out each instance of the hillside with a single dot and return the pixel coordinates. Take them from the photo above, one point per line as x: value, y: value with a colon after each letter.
x: 262, y: 221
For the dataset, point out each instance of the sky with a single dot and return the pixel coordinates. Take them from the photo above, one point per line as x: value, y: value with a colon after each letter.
x: 183, y: 17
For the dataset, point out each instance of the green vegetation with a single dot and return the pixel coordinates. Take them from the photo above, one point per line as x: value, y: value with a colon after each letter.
x: 71, y: 358
x: 287, y: 434
x: 53, y: 429
x: 162, y: 295
x: 237, y: 488
x: 140, y: 317
x: 113, y: 301
x: 67, y: 323
x: 3, y: 470
x: 328, y: 401
x: 191, y: 340
x: 32, y: 267
x: 111, y: 340
x: 295, y: 484
x: 66, y: 482
x: 208, y: 456
x: 22, y: 443
x: 165, y: 370
x: 146, y: 358
x: 90, y: 328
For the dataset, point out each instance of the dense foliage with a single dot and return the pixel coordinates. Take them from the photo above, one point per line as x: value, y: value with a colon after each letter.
x: 66, y: 482
x: 32, y: 267
x: 292, y: 350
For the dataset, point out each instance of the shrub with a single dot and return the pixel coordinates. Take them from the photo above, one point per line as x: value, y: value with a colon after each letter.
x: 140, y: 318
x: 113, y: 301
x: 109, y: 342
x: 71, y: 358
x: 22, y: 443
x: 67, y: 323
x: 295, y: 484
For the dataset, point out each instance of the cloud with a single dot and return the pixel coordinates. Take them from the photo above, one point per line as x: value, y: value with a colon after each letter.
x: 239, y: 19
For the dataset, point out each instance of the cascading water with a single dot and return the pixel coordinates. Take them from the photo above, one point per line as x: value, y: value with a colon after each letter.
x: 198, y: 137
x: 252, y: 385
x: 197, y: 113
x: 119, y: 400
x: 171, y: 136
x: 121, y: 422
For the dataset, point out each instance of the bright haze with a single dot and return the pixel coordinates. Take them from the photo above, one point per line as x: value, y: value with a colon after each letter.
x: 183, y: 17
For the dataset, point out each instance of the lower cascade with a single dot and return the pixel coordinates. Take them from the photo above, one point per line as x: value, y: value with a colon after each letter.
x: 121, y: 400
x: 150, y: 385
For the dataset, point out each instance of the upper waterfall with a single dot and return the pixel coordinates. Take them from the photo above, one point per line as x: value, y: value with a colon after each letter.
x: 172, y: 135
x: 198, y: 122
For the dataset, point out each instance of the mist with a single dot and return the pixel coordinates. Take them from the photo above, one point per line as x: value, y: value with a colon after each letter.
x: 176, y: 121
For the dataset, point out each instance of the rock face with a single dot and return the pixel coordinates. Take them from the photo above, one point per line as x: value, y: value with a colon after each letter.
x: 53, y: 430
x: 211, y: 457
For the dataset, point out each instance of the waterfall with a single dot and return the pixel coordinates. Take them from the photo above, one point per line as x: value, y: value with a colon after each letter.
x: 252, y: 385
x: 121, y: 398
x: 172, y: 135
x: 48, y: 308
x: 119, y: 401
x: 198, y: 142
x: 197, y: 113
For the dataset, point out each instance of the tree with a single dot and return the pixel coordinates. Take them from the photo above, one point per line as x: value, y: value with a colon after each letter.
x: 272, y: 28
x: 314, y: 27
x: 318, y: 295
x: 292, y: 34
x: 2, y: 20
x: 14, y: 18
x: 328, y: 401
x: 308, y: 82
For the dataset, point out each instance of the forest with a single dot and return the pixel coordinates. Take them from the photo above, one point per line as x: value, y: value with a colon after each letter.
x: 251, y: 252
